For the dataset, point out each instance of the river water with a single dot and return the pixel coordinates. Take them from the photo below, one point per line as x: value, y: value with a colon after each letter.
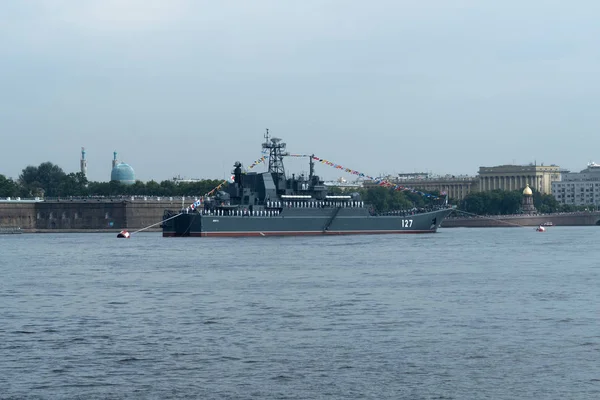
x: 496, y: 313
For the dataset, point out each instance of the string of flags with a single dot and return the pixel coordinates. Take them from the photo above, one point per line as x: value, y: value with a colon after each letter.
x: 379, y: 181
x: 260, y: 160
x: 195, y: 205
x: 264, y: 158
x: 217, y: 188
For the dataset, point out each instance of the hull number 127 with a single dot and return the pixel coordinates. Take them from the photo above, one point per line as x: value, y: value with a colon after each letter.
x: 407, y: 223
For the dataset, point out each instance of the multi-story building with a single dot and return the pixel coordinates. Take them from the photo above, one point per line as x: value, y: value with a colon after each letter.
x: 579, y: 188
x: 516, y: 177
x: 343, y: 184
x: 455, y: 186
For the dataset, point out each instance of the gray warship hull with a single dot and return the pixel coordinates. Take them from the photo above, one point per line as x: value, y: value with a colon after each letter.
x: 273, y: 204
x: 300, y: 221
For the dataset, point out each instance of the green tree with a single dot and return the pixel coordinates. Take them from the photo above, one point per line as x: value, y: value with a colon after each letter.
x: 499, y: 202
x: 415, y: 199
x: 153, y: 188
x: 46, y: 179
x: 546, y: 203
x: 474, y: 203
x: 74, y: 184
x: 137, y: 189
x: 8, y: 187
x: 168, y: 188
x: 377, y: 197
x: 117, y: 188
x: 99, y: 188
x: 29, y: 183
x: 399, y: 201
x: 509, y: 202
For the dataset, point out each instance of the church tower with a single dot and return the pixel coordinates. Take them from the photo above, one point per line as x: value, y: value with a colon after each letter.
x: 527, y: 202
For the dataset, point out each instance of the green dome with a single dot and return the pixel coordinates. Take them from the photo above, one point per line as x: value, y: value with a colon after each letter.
x: 123, y: 173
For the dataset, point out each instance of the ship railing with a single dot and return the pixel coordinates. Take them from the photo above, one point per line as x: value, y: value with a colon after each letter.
x: 296, y: 196
x: 239, y: 213
x: 413, y: 211
x: 270, y: 212
x: 316, y: 204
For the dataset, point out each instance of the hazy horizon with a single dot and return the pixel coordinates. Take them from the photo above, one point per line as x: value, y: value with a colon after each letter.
x: 185, y: 87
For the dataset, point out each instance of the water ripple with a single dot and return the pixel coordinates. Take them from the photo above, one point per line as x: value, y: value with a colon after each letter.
x: 463, y: 314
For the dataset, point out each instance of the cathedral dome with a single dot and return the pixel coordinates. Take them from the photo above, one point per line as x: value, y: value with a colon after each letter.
x: 123, y: 173
x: 527, y: 191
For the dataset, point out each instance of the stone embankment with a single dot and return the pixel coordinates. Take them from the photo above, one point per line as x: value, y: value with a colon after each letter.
x: 557, y: 219
x: 85, y: 215
x: 113, y: 215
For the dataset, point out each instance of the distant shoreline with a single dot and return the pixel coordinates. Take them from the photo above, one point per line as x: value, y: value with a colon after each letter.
x: 590, y: 218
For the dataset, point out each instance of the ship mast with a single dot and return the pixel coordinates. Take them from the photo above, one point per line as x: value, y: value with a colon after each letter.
x: 276, y: 153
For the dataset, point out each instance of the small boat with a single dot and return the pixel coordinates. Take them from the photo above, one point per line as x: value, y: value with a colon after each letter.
x: 540, y: 229
x: 123, y: 234
x: 549, y: 223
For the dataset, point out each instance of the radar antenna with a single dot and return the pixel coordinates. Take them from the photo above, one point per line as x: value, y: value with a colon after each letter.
x: 276, y: 149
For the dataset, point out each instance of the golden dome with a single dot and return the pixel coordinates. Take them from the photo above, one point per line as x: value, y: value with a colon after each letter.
x: 527, y: 191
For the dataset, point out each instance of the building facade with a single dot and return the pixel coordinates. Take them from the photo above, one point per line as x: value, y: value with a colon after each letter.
x: 342, y: 184
x: 516, y: 177
x: 579, y: 188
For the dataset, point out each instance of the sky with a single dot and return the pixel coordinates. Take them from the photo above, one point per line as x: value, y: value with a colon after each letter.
x: 188, y: 87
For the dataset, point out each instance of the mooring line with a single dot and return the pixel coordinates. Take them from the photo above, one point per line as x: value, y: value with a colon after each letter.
x: 491, y: 219
x: 150, y: 226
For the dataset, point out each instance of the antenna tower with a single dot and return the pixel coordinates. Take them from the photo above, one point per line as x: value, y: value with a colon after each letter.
x: 277, y: 151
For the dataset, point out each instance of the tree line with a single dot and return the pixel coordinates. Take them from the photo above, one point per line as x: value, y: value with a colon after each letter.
x: 504, y: 202
x: 50, y: 181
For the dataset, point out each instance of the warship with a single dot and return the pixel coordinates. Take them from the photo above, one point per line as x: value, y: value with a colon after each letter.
x: 272, y: 204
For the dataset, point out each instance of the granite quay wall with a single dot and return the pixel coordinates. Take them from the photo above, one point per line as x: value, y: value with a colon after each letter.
x: 142, y: 214
x: 563, y: 219
x: 82, y: 215
x: 13, y: 214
